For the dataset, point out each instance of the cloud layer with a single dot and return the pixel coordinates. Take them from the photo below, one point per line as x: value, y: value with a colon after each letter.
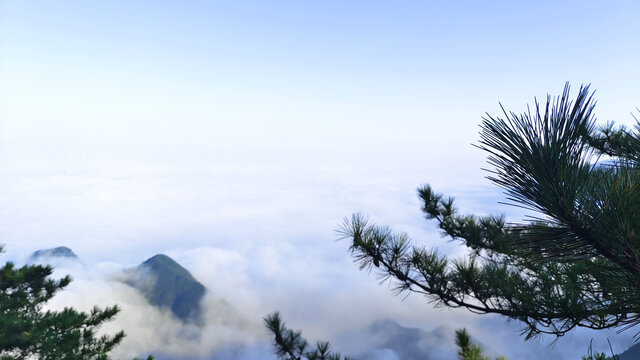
x: 258, y: 232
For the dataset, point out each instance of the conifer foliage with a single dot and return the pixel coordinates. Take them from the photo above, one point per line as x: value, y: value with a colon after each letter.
x: 29, y: 332
x: 467, y: 350
x: 576, y: 262
x: 290, y: 345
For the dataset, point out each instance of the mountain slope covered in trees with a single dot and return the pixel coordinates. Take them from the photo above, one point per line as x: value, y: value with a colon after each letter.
x: 167, y: 284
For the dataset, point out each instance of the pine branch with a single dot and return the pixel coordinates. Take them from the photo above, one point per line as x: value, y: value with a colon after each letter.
x: 577, y: 264
x: 290, y: 345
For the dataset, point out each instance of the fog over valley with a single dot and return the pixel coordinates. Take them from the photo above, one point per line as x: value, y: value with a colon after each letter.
x: 196, y: 159
x: 256, y: 249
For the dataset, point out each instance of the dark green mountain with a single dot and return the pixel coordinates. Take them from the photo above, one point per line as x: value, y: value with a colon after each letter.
x: 388, y: 337
x: 632, y: 353
x: 166, y: 284
x: 60, y: 252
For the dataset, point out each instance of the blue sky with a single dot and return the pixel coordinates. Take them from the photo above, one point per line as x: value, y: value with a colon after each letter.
x: 251, y: 128
x: 207, y: 75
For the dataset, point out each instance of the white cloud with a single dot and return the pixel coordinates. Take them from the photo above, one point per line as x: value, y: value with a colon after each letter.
x: 257, y: 231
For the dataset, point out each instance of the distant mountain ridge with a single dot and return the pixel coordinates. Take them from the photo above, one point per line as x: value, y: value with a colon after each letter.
x: 162, y: 281
x: 632, y: 353
x: 166, y: 284
x: 409, y: 343
x: 386, y: 339
x: 59, y: 252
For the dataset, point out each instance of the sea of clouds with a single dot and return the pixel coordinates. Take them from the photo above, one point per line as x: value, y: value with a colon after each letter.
x: 258, y: 230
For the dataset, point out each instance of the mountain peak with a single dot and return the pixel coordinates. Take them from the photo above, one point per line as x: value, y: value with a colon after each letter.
x: 167, y: 284
x: 60, y: 252
x: 163, y: 263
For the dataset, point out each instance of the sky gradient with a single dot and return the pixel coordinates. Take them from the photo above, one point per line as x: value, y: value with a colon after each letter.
x: 201, y: 76
x: 246, y: 131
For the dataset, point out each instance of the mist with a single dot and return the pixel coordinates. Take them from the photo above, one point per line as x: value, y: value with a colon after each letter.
x: 257, y: 249
x: 235, y: 137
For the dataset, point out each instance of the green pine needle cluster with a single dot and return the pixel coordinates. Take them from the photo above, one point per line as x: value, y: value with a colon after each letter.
x: 29, y: 332
x: 575, y: 263
x: 467, y: 350
x: 290, y: 345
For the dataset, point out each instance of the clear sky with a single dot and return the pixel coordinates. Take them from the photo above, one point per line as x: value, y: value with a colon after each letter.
x: 250, y: 128
x: 204, y: 75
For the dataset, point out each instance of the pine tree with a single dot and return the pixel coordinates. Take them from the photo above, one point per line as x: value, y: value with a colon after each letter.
x: 290, y: 345
x: 576, y: 263
x: 467, y: 350
x: 29, y: 332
